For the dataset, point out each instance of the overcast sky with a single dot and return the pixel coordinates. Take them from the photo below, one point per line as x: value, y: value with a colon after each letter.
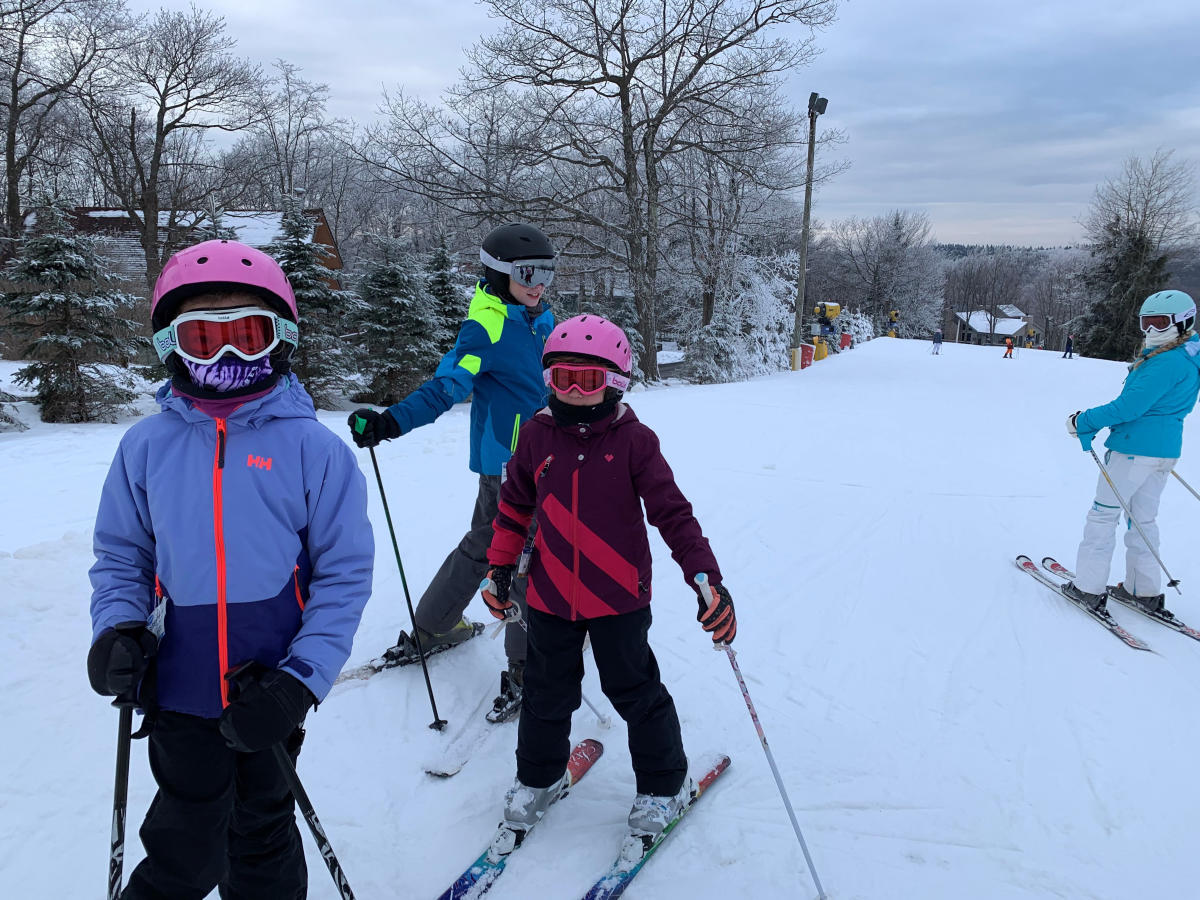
x: 997, y: 119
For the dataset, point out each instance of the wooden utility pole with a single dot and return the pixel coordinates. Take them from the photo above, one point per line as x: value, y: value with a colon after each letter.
x: 816, y: 106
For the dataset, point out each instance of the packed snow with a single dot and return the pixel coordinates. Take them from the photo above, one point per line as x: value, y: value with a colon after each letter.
x: 945, y: 726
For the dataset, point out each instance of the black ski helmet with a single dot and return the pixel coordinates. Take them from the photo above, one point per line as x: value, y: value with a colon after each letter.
x: 509, y: 243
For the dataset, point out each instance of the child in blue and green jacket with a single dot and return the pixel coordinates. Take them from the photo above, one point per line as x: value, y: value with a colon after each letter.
x: 497, y: 361
x: 232, y: 529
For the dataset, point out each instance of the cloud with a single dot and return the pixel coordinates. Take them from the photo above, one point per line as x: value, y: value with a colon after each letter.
x: 999, y: 119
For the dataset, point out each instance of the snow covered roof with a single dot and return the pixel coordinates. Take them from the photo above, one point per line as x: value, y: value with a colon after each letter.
x: 255, y: 228
x: 980, y: 323
x: 1011, y: 311
x: 119, y: 242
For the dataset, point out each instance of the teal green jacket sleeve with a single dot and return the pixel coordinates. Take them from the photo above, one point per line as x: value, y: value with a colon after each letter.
x: 1140, y: 392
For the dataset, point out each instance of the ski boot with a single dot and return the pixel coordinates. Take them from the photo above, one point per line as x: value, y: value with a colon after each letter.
x: 1095, y: 602
x: 405, y: 650
x: 508, y: 703
x: 649, y: 817
x: 523, y: 808
x: 1153, y: 605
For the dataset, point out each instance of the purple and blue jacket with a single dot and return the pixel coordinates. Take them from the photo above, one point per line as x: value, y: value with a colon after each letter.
x: 587, y: 484
x: 245, y: 537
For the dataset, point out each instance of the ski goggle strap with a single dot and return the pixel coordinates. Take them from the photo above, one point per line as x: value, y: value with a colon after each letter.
x: 587, y: 379
x: 205, y: 335
x: 525, y: 272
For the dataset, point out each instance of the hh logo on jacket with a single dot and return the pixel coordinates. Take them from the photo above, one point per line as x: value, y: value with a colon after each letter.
x: 257, y: 462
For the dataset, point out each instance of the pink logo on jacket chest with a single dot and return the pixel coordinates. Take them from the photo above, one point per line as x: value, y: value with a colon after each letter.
x: 608, y: 457
x: 257, y: 462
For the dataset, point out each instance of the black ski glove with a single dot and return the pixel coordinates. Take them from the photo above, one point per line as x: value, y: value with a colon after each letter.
x: 495, y: 590
x: 266, y: 711
x: 368, y: 427
x: 717, y: 615
x: 118, y: 659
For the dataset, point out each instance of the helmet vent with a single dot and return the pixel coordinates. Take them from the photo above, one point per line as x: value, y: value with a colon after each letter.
x: 587, y: 337
x: 246, y: 262
x: 202, y: 260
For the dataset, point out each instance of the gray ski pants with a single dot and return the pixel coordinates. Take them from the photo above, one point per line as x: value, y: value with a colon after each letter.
x: 457, y: 581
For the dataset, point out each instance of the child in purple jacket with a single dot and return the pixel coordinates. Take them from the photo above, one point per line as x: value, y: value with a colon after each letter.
x: 586, y: 465
x: 232, y: 529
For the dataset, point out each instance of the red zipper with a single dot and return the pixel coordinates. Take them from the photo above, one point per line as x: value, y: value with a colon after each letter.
x: 219, y: 541
x: 296, y: 582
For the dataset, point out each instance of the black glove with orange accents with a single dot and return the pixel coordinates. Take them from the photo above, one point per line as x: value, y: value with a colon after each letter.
x: 495, y: 590
x: 717, y: 615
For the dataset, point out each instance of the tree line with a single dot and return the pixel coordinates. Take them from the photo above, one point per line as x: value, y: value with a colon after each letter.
x: 653, y: 141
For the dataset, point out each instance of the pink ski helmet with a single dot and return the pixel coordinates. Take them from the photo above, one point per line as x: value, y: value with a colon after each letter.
x: 590, y: 335
x: 217, y: 266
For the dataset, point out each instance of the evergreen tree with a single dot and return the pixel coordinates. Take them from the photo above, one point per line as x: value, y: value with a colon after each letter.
x: 400, y: 335
x: 620, y: 308
x: 72, y: 314
x: 9, y: 420
x: 1127, y: 270
x: 325, y: 362
x: 213, y: 226
x: 448, y: 298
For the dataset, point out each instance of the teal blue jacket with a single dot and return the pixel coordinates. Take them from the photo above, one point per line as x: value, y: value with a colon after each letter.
x: 1147, y: 418
x: 497, y: 359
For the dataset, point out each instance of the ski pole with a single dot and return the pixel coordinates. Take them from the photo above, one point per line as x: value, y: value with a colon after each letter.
x: 238, y: 677
x: 702, y: 583
x: 116, y: 848
x: 314, y: 824
x: 1171, y: 582
x: 1191, y: 489
x: 438, y: 722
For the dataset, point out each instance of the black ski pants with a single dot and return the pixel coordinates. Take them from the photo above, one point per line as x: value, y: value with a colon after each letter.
x: 457, y: 581
x: 629, y: 677
x: 220, y: 819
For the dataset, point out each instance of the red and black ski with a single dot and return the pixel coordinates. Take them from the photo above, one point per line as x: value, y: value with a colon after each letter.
x: 1025, y: 564
x: 1165, y: 617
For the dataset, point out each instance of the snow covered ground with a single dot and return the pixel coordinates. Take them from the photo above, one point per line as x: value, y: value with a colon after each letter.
x: 945, y: 726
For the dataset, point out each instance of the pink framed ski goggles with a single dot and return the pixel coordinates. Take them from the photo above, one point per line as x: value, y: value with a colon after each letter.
x: 586, y: 379
x: 205, y: 335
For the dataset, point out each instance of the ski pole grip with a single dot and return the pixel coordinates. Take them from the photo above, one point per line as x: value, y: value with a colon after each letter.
x: 705, y: 598
x: 360, y: 424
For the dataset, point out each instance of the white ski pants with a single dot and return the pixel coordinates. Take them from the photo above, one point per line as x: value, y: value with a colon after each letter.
x: 1140, y: 481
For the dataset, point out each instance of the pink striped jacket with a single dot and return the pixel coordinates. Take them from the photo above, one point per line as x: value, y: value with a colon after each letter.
x: 587, y: 484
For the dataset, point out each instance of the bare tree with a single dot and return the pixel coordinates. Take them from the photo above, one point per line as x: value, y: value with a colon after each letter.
x: 600, y: 94
x: 293, y: 124
x: 49, y: 49
x: 179, y: 81
x: 886, y: 263
x: 987, y: 280
x: 1154, y: 198
x: 1056, y: 296
x: 1136, y: 224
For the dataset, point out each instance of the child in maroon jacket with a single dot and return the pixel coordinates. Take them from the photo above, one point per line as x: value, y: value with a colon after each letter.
x: 586, y: 465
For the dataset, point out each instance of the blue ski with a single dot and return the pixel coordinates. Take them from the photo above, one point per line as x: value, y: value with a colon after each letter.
x: 479, y: 877
x: 622, y: 872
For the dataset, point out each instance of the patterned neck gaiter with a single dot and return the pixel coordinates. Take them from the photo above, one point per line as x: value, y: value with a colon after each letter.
x: 229, y: 373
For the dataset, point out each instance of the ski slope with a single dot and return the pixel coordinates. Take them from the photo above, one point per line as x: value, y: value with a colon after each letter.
x: 945, y: 726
